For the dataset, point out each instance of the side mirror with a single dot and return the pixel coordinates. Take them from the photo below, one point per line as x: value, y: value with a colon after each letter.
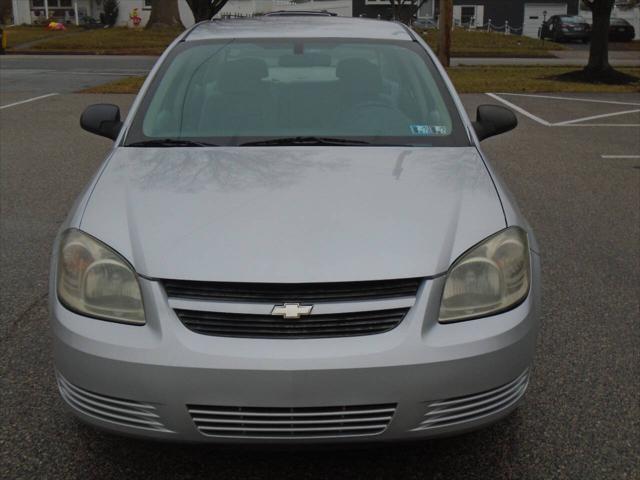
x: 493, y: 120
x: 102, y: 119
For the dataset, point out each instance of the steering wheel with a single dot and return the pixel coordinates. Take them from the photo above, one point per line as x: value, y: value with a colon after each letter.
x: 377, y: 114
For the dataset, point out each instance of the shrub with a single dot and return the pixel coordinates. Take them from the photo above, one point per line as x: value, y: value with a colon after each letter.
x: 110, y: 12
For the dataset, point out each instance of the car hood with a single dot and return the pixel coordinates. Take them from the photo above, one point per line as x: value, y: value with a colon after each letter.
x: 293, y: 214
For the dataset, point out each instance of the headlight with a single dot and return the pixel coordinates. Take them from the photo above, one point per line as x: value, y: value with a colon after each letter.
x: 491, y: 277
x: 94, y: 280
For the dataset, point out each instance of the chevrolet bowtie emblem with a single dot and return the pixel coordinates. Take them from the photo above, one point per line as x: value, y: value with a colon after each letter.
x: 292, y: 310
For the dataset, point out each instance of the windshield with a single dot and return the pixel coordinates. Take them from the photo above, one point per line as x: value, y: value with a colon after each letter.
x: 235, y: 92
x: 573, y: 20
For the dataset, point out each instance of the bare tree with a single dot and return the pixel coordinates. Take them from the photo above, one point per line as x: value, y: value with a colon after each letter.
x: 6, y: 11
x: 404, y: 10
x: 445, y: 24
x: 205, y: 9
x: 598, y: 69
x: 599, y: 51
x: 164, y: 13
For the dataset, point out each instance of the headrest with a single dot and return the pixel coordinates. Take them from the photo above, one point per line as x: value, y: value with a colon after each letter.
x: 242, y: 74
x: 360, y: 73
x: 306, y: 60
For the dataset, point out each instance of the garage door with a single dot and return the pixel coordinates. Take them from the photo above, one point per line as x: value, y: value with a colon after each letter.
x: 534, y: 14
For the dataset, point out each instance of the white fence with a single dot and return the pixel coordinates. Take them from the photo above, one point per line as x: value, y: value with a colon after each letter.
x: 490, y: 26
x: 630, y: 15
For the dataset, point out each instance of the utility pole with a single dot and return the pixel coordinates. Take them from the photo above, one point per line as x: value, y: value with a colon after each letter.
x: 445, y: 24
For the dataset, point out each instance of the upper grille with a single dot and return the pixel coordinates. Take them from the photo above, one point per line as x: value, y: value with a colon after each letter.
x: 268, y: 326
x: 293, y: 292
x: 305, y: 422
x: 129, y: 413
x: 470, y: 408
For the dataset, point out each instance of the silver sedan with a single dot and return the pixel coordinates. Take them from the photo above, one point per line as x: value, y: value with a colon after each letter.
x: 295, y: 238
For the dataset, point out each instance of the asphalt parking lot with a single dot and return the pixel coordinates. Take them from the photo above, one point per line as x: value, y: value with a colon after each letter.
x: 574, y: 167
x: 32, y: 75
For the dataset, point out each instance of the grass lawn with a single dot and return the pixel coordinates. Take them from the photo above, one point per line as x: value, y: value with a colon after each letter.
x: 533, y: 79
x: 152, y: 42
x: 23, y: 34
x: 123, y: 85
x: 491, y: 44
x: 121, y: 40
x: 476, y: 79
x: 633, y: 46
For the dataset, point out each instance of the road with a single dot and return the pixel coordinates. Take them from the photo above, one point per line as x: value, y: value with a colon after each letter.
x: 66, y: 73
x: 577, y: 179
x: 70, y: 73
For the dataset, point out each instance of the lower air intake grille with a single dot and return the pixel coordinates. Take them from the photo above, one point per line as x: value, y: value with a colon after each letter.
x: 269, y: 326
x: 128, y: 413
x: 470, y: 408
x: 307, y: 422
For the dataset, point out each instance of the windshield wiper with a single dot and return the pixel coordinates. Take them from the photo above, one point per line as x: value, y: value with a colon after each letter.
x: 170, y: 142
x: 304, y: 141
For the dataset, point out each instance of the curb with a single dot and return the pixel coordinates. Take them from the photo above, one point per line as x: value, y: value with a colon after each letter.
x: 83, y: 52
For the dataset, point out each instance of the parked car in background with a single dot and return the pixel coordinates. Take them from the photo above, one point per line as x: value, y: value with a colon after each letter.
x: 621, y: 31
x: 562, y: 28
x: 296, y: 237
x: 424, y: 24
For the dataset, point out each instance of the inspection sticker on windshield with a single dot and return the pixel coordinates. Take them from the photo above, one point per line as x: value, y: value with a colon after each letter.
x: 428, y: 130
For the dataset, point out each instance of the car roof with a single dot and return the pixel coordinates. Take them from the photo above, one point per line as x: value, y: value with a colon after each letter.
x: 300, y: 13
x: 292, y: 26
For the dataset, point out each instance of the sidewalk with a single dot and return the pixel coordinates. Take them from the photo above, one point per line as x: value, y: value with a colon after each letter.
x: 30, y: 44
x: 629, y: 59
x: 569, y: 58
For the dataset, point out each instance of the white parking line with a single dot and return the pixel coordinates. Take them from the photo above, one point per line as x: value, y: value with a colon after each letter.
x: 520, y: 110
x: 620, y: 156
x: 569, y: 123
x: 100, y: 74
x: 636, y: 125
x: 571, y: 99
x: 27, y: 100
x: 594, y: 117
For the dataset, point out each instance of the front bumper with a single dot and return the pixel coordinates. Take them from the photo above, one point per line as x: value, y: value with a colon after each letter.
x: 432, y: 379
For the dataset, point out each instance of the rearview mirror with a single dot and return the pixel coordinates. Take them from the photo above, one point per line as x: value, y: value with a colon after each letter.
x: 493, y: 120
x: 102, y: 119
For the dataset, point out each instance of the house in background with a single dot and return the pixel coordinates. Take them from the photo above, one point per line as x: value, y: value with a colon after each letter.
x: 524, y: 17
x: 73, y: 11
x: 521, y: 14
x: 382, y: 9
